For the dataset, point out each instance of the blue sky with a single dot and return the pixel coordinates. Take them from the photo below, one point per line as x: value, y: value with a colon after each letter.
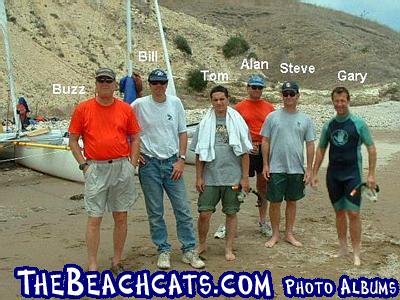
x: 386, y: 12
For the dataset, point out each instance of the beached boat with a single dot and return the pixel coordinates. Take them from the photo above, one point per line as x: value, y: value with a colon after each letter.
x: 49, y: 153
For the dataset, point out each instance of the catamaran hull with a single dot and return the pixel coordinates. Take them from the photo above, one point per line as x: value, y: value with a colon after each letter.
x: 58, y: 163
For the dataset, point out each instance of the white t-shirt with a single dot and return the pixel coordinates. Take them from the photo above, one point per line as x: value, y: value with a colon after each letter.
x: 161, y: 124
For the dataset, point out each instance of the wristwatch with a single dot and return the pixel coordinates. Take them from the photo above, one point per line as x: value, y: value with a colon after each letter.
x: 82, y: 166
x: 183, y: 157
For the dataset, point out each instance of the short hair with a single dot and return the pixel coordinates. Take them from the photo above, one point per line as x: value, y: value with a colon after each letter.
x: 340, y: 90
x: 219, y: 88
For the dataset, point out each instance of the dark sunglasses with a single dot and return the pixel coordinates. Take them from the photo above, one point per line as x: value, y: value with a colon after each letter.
x: 158, y: 82
x: 291, y: 94
x: 104, y: 79
x: 256, y: 87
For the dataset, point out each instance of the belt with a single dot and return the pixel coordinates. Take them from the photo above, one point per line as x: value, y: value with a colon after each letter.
x: 110, y: 161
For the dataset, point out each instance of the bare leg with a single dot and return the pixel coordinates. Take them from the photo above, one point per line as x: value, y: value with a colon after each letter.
x: 290, y: 214
x: 274, y: 216
x: 120, y: 231
x: 355, y: 235
x: 261, y: 189
x: 203, y: 225
x: 92, y: 241
x: 231, y: 224
x: 341, y: 227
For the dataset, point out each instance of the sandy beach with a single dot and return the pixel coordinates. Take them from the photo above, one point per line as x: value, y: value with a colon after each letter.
x: 41, y: 226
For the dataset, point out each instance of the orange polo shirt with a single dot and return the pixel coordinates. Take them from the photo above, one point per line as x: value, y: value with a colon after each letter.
x: 104, y: 129
x: 254, y: 113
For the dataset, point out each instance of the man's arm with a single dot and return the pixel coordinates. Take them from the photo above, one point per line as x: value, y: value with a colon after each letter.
x: 180, y: 164
x: 76, y: 150
x: 244, y: 181
x: 310, y: 150
x: 371, y: 181
x: 199, y: 174
x: 135, y: 149
x: 265, y: 155
x: 319, y: 157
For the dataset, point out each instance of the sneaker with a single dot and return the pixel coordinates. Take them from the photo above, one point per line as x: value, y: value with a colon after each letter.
x: 193, y: 259
x: 163, y: 261
x: 117, y: 269
x: 220, y: 233
x: 265, y: 229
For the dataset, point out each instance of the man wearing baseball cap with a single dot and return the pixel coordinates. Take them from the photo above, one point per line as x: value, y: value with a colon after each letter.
x: 254, y: 110
x: 110, y: 134
x: 163, y: 143
x: 284, y: 133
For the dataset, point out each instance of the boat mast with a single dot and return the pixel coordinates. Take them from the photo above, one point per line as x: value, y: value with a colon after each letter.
x: 171, y: 85
x: 10, y: 77
x: 129, y: 37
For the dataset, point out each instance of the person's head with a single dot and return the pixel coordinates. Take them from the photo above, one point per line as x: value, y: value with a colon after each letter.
x: 290, y: 94
x: 219, y: 99
x: 255, y: 86
x: 158, y: 82
x: 105, y: 82
x: 341, y: 100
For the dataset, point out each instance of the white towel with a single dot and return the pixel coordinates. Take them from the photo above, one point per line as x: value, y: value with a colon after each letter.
x: 237, y: 129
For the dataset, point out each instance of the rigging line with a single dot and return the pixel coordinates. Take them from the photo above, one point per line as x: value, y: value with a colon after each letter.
x: 29, y: 156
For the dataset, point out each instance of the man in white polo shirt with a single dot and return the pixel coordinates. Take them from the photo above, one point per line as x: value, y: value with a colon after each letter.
x: 163, y: 143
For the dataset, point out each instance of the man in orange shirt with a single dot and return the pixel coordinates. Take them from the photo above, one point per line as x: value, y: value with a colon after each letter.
x: 254, y: 111
x: 110, y: 134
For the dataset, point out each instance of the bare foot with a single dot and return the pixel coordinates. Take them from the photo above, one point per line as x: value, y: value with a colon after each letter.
x: 272, y: 242
x: 290, y: 239
x: 202, y: 248
x: 357, y: 260
x: 229, y: 256
x: 92, y: 268
x: 341, y: 253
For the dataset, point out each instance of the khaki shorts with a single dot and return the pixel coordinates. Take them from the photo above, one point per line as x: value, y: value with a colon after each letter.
x: 109, y: 184
x: 209, y: 199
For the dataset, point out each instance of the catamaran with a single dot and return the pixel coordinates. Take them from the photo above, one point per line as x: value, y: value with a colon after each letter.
x: 47, y: 151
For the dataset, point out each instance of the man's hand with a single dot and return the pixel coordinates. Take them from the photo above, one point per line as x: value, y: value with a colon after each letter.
x: 244, y: 182
x: 85, y: 169
x: 314, y: 181
x: 371, y: 182
x: 200, y: 185
x: 265, y: 172
x: 307, y: 177
x: 255, y: 150
x: 141, y: 160
x: 177, y: 171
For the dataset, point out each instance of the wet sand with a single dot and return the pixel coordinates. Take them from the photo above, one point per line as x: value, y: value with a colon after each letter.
x: 41, y: 226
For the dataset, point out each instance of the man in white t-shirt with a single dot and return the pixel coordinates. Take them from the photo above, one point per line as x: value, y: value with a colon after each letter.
x: 163, y: 143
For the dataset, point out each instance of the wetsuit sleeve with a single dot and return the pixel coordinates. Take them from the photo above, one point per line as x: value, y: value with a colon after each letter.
x: 366, y: 137
x: 324, y: 139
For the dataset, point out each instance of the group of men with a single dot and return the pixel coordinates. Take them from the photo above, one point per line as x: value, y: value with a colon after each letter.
x: 231, y: 145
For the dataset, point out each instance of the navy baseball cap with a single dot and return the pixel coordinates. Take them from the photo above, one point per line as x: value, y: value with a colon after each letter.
x: 105, y: 72
x: 158, y: 75
x: 256, y: 80
x: 290, y: 86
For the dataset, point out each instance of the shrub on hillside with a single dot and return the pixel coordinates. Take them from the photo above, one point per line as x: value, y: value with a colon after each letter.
x: 195, y: 80
x: 182, y: 44
x: 234, y: 46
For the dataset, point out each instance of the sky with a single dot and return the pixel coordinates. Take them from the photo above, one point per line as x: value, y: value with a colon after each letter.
x: 385, y: 12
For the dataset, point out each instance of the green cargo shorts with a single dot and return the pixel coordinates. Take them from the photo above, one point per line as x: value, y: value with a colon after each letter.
x: 282, y: 186
x: 209, y: 199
